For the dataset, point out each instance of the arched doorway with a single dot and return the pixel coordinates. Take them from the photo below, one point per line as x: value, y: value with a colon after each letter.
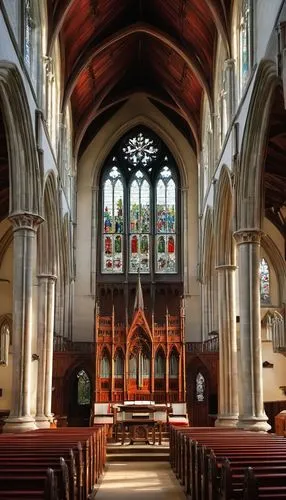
x: 80, y: 398
x: 202, y: 399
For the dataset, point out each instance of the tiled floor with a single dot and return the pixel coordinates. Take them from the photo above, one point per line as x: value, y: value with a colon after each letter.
x: 139, y: 481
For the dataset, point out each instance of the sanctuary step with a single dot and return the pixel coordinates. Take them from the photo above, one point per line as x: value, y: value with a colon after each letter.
x: 139, y: 453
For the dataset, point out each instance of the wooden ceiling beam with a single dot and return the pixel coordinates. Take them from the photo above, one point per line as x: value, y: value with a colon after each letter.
x: 92, y: 113
x: 186, y: 115
x: 95, y: 112
x: 58, y: 21
x: 220, y: 21
x: 89, y: 54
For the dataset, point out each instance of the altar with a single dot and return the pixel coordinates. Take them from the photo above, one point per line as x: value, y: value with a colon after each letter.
x: 142, y: 422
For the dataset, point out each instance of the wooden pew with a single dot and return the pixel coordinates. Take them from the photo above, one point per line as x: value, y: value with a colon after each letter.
x: 84, y: 451
x: 191, y: 449
x: 48, y: 489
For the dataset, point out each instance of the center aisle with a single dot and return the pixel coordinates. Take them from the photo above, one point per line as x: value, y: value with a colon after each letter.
x: 139, y: 481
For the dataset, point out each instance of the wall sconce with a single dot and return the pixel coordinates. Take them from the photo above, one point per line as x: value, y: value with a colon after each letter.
x: 266, y: 364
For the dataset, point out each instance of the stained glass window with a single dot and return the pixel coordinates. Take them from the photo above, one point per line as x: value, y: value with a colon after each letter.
x: 140, y: 150
x: 28, y: 45
x: 113, y: 228
x: 139, y: 207
x: 83, y: 388
x: 31, y: 40
x: 244, y: 42
x: 264, y: 282
x: 165, y: 222
x: 200, y: 387
x: 139, y: 224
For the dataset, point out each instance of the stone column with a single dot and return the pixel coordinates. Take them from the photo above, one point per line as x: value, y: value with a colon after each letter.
x: 45, y: 348
x: 228, y: 390
x: 25, y: 226
x: 251, y: 413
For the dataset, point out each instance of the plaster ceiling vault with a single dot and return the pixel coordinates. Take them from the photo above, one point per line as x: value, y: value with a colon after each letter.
x: 114, y: 48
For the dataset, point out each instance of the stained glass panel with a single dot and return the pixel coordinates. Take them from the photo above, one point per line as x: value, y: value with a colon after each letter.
x: 113, y: 223
x: 108, y: 206
x: 83, y: 388
x: 145, y: 207
x: 118, y: 206
x: 28, y: 34
x: 134, y: 207
x: 244, y: 42
x: 170, y: 206
x: 165, y: 222
x: 140, y: 150
x: 200, y: 387
x: 139, y: 253
x: 264, y: 282
x: 139, y: 244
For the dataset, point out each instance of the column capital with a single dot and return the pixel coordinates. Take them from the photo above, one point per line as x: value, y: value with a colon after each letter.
x: 25, y: 220
x: 226, y: 267
x: 229, y: 63
x: 50, y: 277
x: 248, y: 236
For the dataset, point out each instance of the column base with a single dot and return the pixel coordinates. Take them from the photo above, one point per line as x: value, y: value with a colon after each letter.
x: 256, y: 424
x: 226, y: 421
x: 19, y: 424
x: 42, y: 422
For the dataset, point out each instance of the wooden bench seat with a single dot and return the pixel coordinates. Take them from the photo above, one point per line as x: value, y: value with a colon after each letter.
x: 83, y: 453
x: 197, y: 456
x: 45, y: 489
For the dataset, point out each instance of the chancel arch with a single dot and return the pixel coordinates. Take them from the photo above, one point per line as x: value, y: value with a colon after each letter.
x: 139, y: 269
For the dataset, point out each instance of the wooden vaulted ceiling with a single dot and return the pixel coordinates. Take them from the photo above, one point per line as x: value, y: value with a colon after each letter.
x: 114, y: 48
x: 275, y: 162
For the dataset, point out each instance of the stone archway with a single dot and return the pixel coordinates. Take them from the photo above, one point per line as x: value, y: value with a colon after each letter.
x: 225, y: 266
x: 48, y: 256
x: 25, y: 195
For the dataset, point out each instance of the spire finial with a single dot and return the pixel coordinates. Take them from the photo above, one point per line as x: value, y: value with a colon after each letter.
x: 139, y: 302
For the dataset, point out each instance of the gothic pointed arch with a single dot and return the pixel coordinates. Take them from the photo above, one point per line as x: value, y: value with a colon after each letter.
x: 48, y: 233
x: 207, y: 245
x: 25, y: 183
x: 223, y: 214
x: 249, y: 194
x: 278, y: 263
